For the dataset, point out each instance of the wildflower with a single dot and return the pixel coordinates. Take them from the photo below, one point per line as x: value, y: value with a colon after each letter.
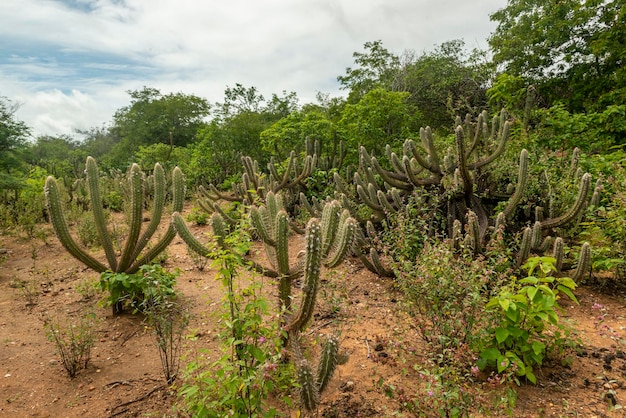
x: 261, y: 339
x: 475, y: 370
x: 430, y: 393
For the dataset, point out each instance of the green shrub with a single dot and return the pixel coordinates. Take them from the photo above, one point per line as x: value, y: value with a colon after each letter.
x: 151, y: 285
x: 518, y: 340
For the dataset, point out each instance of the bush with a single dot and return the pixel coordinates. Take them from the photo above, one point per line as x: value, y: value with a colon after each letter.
x: 150, y: 286
x: 73, y: 342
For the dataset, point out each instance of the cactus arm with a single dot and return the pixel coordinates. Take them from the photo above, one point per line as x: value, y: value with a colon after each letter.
x: 93, y: 178
x: 504, y: 137
x: 522, y: 178
x: 343, y: 244
x: 261, y: 224
x: 468, y: 183
x: 136, y: 210
x: 61, y: 229
x: 178, y: 200
x: 524, y: 250
x: 395, y: 180
x: 309, y: 395
x: 186, y: 235
x: 330, y: 224
x: 584, y: 262
x: 574, y: 211
x: 312, y: 267
x: 328, y: 363
x: 282, y: 242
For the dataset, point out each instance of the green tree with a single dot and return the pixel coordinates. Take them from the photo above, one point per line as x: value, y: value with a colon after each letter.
x: 153, y: 117
x: 13, y: 136
x: 444, y: 82
x: 59, y: 155
x: 235, y: 131
x: 572, y: 50
x: 375, y: 67
x: 380, y: 117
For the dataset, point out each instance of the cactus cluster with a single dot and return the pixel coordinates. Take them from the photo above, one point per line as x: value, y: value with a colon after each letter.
x: 461, y: 179
x: 132, y: 255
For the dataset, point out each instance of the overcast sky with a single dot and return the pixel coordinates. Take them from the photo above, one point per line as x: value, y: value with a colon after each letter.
x: 69, y: 63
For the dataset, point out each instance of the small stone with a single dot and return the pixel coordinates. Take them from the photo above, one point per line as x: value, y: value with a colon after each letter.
x: 92, y: 388
x: 347, y: 386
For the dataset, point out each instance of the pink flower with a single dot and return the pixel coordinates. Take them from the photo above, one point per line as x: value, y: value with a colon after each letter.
x: 475, y: 370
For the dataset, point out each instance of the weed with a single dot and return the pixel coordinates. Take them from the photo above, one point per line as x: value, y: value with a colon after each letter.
x: 73, y: 342
x: 88, y: 289
x: 168, y: 319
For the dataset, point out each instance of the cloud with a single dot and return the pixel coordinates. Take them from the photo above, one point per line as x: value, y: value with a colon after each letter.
x: 82, y: 55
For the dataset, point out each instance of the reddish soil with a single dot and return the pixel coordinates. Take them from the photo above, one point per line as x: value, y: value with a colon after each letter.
x: 124, y: 377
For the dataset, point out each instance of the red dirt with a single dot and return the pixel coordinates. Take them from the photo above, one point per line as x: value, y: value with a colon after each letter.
x: 124, y: 377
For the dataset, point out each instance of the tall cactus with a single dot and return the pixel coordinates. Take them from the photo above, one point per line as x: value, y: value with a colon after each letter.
x: 132, y: 255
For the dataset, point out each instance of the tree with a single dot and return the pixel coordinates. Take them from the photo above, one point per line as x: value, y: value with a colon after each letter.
x: 235, y: 131
x: 13, y: 136
x: 444, y: 82
x: 152, y: 117
x: 60, y: 156
x: 380, y: 117
x: 374, y: 68
x: 572, y: 50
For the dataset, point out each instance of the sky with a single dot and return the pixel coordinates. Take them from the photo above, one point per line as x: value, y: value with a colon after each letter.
x: 69, y: 64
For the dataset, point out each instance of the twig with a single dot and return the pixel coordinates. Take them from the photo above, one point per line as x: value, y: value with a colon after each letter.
x: 128, y: 337
x: 141, y: 398
x: 369, y: 353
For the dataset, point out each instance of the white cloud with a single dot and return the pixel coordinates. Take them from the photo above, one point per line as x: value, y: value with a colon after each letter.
x: 73, y: 60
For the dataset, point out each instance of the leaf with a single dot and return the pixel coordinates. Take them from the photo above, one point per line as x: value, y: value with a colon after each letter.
x: 538, y: 347
x: 490, y: 354
x: 531, y: 292
x: 503, y: 363
x: 501, y: 335
x: 531, y: 377
x: 568, y: 292
x: 504, y: 304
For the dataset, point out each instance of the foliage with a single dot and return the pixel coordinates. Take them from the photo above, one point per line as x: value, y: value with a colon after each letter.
x: 378, y: 118
x: 250, y: 368
x: 73, y: 342
x: 13, y: 135
x: 572, y: 50
x: 291, y: 132
x: 519, y: 339
x: 153, y: 117
x: 151, y: 286
x: 591, y: 131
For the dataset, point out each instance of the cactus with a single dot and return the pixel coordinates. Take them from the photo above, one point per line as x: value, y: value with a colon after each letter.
x: 584, y: 263
x: 558, y: 252
x: 525, y: 245
x: 577, y: 207
x: 313, y: 385
x: 132, y: 255
x: 522, y: 178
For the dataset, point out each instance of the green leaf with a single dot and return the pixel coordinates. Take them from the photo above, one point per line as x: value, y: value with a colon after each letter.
x: 538, y: 347
x: 501, y: 335
x: 568, y: 292
x: 531, y: 377
x: 531, y: 292
x: 503, y: 363
x: 490, y: 354
x: 504, y: 304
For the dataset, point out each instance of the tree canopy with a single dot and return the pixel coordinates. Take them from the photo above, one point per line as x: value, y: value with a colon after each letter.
x: 572, y: 50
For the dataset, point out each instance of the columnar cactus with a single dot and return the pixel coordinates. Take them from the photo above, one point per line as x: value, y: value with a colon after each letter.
x: 271, y: 222
x: 132, y: 255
